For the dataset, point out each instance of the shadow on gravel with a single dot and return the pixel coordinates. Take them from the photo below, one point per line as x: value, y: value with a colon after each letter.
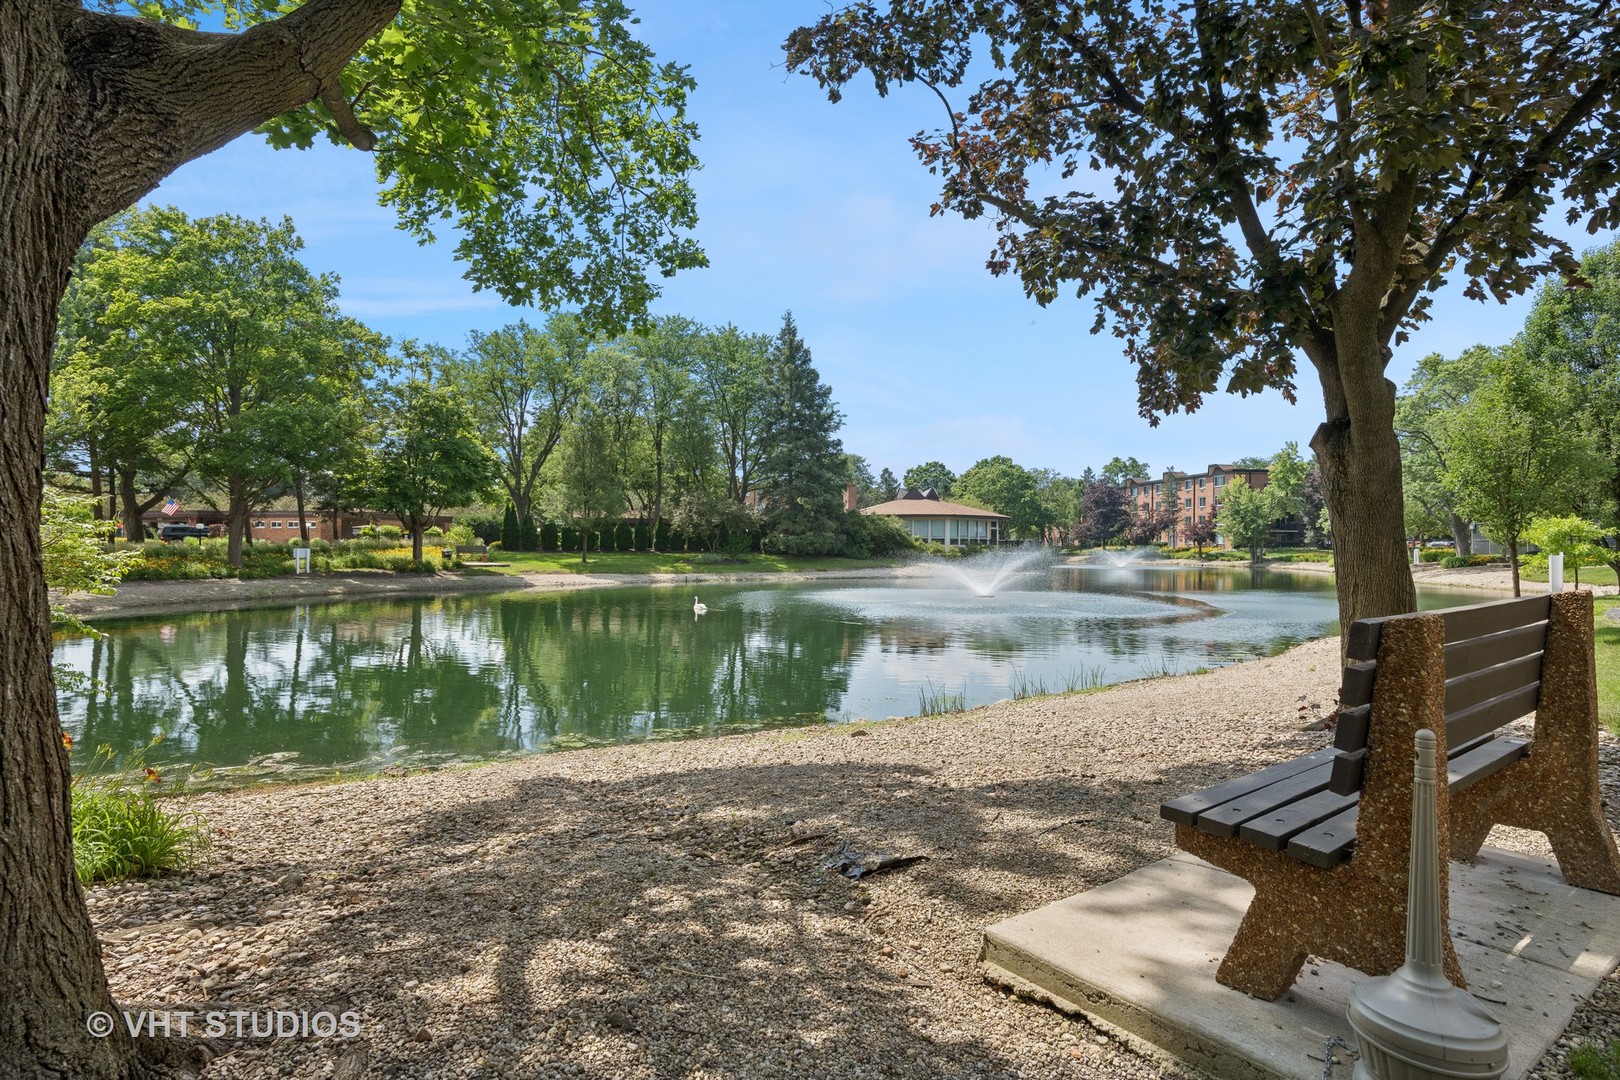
x: 672, y: 925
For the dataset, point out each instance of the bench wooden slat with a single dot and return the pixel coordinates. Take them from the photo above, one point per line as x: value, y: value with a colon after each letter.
x: 1478, y: 653
x: 1493, y: 756
x: 1489, y: 715
x: 1351, y: 731
x: 1327, y: 844
x: 1186, y: 809
x: 1466, y: 691
x: 1357, y: 684
x: 1224, y: 820
x: 1272, y: 831
x: 1347, y: 769
x: 1472, y: 621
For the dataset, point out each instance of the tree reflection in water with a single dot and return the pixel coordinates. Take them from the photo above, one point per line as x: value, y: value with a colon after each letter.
x: 360, y: 685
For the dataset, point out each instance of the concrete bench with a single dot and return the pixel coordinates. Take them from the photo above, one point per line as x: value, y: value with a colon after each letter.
x: 1324, y: 839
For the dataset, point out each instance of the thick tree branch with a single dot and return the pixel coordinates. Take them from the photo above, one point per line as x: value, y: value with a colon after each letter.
x: 147, y: 97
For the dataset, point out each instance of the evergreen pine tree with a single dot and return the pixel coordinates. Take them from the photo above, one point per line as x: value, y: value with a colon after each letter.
x: 510, y: 538
x: 528, y: 535
x: 802, y: 474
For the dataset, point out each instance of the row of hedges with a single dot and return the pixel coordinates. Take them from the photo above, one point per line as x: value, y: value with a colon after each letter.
x: 192, y: 561
x: 1211, y: 554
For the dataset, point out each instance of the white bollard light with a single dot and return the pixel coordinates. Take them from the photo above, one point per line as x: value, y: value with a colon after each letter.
x: 1414, y: 1025
x: 1555, y: 573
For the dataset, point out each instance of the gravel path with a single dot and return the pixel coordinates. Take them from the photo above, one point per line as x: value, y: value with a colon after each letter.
x: 663, y: 910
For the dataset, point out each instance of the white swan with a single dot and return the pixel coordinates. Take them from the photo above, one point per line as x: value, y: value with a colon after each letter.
x: 699, y: 609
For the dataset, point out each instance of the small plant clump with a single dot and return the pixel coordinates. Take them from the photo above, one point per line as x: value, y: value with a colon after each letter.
x: 119, y: 828
x: 122, y: 833
x: 937, y: 701
x: 1589, y: 1061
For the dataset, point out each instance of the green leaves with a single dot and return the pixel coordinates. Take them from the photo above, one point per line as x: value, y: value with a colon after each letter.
x: 1255, y: 179
x: 551, y: 139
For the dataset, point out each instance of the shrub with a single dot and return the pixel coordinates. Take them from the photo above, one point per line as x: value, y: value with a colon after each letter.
x: 485, y: 526
x: 1451, y: 561
x: 869, y: 536
x: 548, y: 536
x: 460, y: 534
x: 433, y: 532
x: 1439, y: 555
x: 404, y: 564
x: 122, y: 833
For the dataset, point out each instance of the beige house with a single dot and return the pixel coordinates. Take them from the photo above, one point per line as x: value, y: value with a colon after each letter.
x: 934, y: 521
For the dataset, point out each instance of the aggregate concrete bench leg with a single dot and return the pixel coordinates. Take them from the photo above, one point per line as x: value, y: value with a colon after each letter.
x: 1555, y: 788
x: 1355, y: 913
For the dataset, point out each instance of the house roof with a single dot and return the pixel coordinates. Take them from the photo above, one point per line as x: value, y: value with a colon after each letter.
x: 915, y: 505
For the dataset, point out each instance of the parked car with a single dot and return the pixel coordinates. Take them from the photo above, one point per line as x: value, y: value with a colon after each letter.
x: 177, y: 531
x: 1439, y: 544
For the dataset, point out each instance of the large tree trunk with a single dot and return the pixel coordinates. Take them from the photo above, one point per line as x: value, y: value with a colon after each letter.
x: 298, y: 496
x: 1360, y: 458
x: 95, y: 109
x: 1462, y: 535
x: 50, y: 967
x: 236, y: 518
x: 134, y: 530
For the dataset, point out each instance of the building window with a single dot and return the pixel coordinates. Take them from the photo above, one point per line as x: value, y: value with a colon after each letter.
x: 1187, y: 519
x: 258, y: 524
x: 275, y: 524
x: 1200, y: 502
x: 1220, y: 481
x: 1158, y: 487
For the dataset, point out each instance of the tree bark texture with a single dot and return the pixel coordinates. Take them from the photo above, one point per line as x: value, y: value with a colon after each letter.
x: 1360, y: 458
x: 95, y: 110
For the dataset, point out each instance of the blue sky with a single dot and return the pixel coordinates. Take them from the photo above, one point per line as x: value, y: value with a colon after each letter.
x: 824, y: 210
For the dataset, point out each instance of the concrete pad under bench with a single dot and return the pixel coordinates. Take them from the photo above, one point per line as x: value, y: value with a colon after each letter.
x: 1140, y: 954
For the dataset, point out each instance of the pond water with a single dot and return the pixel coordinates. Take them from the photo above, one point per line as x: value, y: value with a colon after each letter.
x: 281, y: 693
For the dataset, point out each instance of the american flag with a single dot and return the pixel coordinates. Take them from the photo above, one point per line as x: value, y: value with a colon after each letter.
x: 170, y: 508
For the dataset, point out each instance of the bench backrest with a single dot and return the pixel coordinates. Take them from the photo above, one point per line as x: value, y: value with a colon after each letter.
x: 471, y: 549
x: 1493, y: 676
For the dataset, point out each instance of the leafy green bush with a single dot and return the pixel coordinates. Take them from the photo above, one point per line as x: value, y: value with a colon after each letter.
x: 869, y: 536
x: 404, y: 564
x: 1439, y: 555
x: 433, y: 532
x: 484, y: 525
x: 124, y: 833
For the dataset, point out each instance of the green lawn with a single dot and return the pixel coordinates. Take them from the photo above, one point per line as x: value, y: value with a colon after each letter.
x: 1590, y: 575
x: 1608, y: 665
x: 641, y: 562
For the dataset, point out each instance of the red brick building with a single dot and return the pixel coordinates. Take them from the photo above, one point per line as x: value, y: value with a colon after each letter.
x: 1194, y: 496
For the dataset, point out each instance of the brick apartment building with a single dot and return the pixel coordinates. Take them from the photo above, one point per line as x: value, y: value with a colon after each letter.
x: 1196, y: 496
